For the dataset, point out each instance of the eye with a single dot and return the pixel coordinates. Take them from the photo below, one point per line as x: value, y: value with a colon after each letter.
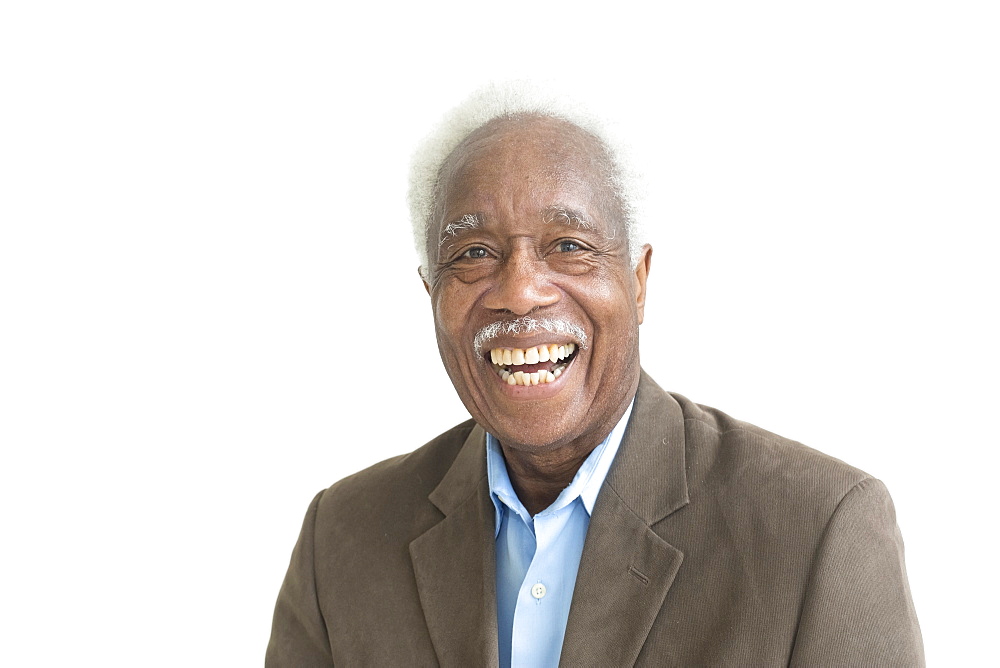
x: 568, y: 246
x: 476, y: 253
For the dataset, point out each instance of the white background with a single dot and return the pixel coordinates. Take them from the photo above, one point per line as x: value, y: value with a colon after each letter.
x: 209, y: 303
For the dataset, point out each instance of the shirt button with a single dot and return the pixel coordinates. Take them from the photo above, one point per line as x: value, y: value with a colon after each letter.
x: 538, y: 591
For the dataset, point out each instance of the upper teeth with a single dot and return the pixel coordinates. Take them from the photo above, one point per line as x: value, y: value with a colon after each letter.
x: 519, y: 356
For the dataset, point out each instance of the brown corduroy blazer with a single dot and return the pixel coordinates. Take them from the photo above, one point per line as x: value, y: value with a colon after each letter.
x: 712, y: 542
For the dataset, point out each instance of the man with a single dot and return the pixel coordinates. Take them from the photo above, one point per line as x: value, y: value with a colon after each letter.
x: 583, y: 516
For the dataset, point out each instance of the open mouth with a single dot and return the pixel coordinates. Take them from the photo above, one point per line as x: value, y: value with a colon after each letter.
x: 537, y: 365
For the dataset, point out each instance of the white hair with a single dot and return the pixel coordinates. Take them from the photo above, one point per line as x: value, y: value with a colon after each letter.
x: 509, y: 100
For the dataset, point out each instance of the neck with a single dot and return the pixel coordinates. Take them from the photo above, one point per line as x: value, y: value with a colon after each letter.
x: 539, y: 478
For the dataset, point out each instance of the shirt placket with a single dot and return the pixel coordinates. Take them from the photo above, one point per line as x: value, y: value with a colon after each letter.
x: 538, y: 624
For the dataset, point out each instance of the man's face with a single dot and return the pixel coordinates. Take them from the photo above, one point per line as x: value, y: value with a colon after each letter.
x: 525, y: 227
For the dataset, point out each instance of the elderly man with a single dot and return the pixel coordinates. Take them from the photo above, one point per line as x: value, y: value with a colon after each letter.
x: 583, y: 516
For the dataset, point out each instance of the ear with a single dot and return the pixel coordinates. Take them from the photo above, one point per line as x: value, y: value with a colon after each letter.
x: 641, y: 274
x: 427, y: 286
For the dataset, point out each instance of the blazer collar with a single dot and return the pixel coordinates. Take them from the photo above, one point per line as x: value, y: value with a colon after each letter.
x: 625, y: 571
x: 626, y: 568
x: 650, y: 474
x: 454, y: 563
x: 465, y: 476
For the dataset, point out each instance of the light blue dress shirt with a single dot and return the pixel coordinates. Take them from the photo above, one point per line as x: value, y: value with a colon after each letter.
x: 538, y: 557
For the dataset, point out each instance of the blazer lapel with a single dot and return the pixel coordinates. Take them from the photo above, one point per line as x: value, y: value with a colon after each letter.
x: 454, y: 563
x: 626, y: 569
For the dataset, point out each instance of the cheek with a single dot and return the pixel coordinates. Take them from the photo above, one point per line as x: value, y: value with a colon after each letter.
x: 609, y: 302
x: 446, y: 307
x: 452, y: 308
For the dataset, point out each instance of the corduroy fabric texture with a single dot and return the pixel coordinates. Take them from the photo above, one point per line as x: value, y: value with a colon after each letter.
x: 712, y: 542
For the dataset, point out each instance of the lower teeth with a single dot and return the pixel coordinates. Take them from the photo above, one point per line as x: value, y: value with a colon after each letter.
x: 536, y: 378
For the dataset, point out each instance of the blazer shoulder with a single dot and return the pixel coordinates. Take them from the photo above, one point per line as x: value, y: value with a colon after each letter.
x: 735, y: 453
x: 399, y: 480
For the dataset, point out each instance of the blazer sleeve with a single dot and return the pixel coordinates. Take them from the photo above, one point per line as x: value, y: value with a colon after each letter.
x: 298, y: 632
x: 857, y: 609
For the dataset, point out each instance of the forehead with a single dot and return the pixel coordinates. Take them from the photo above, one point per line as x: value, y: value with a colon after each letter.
x: 526, y: 161
x: 538, y: 136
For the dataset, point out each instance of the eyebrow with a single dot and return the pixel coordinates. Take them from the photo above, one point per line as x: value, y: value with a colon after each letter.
x: 551, y: 214
x: 467, y: 222
x: 566, y: 216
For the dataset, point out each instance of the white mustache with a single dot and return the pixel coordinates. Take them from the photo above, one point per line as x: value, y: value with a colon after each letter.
x: 528, y: 325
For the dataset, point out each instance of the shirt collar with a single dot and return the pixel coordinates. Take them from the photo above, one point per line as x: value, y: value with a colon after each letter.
x: 586, y: 483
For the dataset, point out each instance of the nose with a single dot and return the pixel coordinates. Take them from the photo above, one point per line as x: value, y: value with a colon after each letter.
x: 523, y: 283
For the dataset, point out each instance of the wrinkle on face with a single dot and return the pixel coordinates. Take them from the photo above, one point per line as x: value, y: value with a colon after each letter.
x: 546, y: 246
x: 574, y: 158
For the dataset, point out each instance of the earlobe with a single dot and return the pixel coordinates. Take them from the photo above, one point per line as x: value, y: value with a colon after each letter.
x: 427, y: 286
x: 641, y: 274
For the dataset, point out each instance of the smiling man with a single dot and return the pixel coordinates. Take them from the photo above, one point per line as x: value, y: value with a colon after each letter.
x: 583, y: 516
